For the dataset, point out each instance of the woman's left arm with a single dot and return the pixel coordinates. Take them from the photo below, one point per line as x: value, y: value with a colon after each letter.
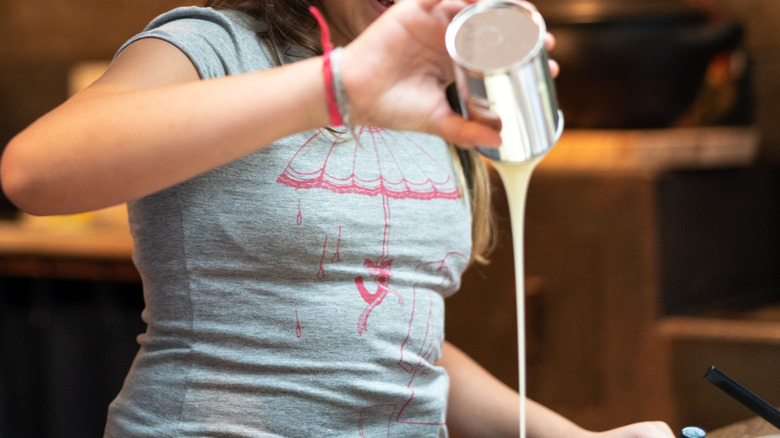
x: 480, y: 405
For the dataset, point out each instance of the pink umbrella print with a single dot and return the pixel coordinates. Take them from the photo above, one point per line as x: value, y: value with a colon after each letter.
x: 382, y: 163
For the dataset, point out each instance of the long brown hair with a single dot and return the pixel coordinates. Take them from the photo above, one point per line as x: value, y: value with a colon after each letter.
x: 290, y: 24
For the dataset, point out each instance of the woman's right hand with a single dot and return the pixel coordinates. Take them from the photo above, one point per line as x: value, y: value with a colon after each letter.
x: 396, y: 71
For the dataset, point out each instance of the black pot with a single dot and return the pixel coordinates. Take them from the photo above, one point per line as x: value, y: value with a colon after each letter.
x: 632, y: 64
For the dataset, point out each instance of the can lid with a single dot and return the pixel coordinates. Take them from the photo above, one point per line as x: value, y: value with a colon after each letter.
x: 495, y: 36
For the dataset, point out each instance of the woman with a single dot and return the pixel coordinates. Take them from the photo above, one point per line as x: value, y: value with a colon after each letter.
x: 294, y: 277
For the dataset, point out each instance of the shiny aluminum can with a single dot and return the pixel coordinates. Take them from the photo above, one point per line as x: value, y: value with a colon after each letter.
x: 503, y: 76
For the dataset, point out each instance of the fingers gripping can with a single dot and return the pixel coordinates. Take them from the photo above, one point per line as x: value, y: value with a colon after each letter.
x: 503, y: 76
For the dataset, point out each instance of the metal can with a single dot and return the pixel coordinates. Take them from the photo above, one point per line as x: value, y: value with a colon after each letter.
x: 503, y: 76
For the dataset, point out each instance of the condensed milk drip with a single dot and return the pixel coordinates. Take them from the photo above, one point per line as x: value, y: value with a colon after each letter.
x: 515, y: 177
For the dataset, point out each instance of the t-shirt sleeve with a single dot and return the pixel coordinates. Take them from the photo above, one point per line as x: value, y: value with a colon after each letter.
x: 210, y: 39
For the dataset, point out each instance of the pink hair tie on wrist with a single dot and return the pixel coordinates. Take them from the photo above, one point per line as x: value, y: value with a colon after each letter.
x: 334, y: 111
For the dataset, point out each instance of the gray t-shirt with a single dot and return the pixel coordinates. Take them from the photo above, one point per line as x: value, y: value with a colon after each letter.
x: 298, y: 291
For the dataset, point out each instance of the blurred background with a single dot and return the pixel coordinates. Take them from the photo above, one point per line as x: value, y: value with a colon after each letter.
x: 652, y: 228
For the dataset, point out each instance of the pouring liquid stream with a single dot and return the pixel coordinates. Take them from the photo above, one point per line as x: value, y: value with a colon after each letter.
x: 516, y: 177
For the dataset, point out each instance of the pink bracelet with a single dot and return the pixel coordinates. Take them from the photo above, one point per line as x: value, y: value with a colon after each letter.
x: 327, y: 70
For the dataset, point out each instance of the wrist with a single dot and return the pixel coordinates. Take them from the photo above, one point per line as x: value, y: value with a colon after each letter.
x: 355, y: 78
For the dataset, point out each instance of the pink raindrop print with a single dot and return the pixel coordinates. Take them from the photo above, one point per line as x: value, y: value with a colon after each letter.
x: 298, y: 331
x: 337, y: 256
x: 321, y: 270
